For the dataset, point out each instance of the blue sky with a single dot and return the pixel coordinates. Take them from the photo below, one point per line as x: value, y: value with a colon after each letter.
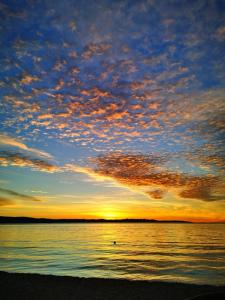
x: 112, y: 108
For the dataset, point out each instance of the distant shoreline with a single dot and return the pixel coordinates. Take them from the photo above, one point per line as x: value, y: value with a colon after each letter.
x: 48, y: 287
x: 29, y: 220
x: 24, y: 220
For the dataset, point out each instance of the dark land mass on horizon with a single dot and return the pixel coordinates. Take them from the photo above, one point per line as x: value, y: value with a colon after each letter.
x: 17, y: 220
x: 22, y: 286
x: 24, y: 220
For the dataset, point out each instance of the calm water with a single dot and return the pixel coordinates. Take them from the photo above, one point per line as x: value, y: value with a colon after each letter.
x: 170, y: 252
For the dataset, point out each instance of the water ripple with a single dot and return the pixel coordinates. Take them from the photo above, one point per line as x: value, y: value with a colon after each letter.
x: 192, y: 253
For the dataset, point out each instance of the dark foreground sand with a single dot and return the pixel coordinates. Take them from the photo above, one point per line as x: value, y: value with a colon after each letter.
x: 34, y: 286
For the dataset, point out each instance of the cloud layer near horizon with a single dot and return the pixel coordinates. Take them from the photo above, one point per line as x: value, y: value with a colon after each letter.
x: 149, y: 171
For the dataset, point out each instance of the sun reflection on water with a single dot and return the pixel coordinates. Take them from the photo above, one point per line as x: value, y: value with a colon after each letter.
x: 171, y: 252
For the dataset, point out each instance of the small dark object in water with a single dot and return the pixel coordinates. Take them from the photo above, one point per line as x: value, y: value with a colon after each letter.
x: 114, y: 242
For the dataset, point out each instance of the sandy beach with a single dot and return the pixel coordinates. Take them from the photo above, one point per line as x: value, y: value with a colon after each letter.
x: 35, y: 286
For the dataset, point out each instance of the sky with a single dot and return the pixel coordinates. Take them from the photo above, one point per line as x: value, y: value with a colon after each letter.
x: 112, y: 109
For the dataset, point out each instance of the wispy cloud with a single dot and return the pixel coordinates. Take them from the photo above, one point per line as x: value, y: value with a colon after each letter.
x: 13, y: 142
x: 5, y: 201
x: 87, y: 171
x: 14, y: 194
x: 11, y: 158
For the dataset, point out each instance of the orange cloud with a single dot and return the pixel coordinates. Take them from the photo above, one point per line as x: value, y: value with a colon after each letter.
x: 150, y: 171
x: 95, y: 49
x: 5, y: 201
x: 27, y: 79
x: 116, y: 115
x: 45, y: 116
x: 156, y: 194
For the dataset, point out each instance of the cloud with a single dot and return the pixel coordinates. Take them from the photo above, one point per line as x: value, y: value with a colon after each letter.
x: 202, y: 192
x: 10, y: 141
x: 220, y: 33
x: 5, y: 201
x: 18, y: 195
x: 156, y: 194
x: 134, y: 171
x: 149, y: 171
x: 45, y: 116
x: 10, y: 158
x: 27, y: 79
x: 87, y: 171
x: 95, y: 49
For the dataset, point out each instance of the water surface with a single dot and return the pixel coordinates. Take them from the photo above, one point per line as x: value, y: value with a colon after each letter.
x: 193, y: 253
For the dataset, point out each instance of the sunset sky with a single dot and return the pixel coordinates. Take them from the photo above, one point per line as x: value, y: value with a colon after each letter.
x: 112, y: 109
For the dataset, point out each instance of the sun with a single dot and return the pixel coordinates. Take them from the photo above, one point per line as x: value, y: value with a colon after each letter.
x: 109, y: 213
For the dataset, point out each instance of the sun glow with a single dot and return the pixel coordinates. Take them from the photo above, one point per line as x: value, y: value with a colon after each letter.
x: 110, y: 213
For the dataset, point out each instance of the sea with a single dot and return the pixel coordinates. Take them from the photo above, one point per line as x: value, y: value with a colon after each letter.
x: 172, y: 252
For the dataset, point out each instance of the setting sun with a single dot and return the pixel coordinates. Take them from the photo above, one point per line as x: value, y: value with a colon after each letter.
x: 109, y: 214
